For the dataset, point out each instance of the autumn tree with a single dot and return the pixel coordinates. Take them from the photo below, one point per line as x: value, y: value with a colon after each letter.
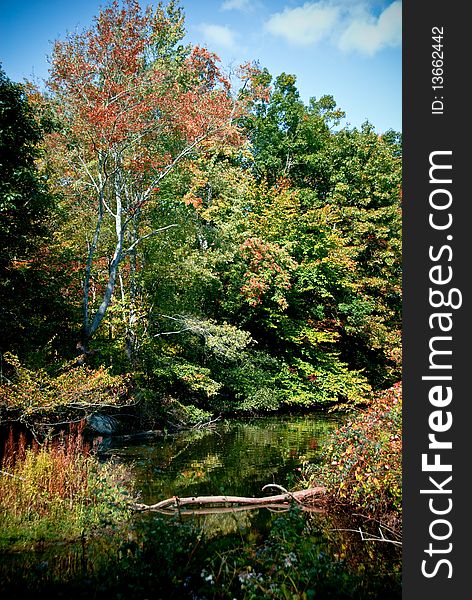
x: 134, y: 105
x: 295, y: 240
x: 364, y: 206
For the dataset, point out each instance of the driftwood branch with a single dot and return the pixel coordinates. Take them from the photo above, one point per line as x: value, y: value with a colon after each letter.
x: 369, y: 537
x: 218, y: 510
x: 304, y: 498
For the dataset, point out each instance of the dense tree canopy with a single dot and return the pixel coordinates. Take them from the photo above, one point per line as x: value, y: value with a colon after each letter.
x: 28, y: 279
x: 231, y: 246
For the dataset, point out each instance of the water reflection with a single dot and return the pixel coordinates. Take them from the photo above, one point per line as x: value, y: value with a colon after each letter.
x: 208, y: 556
x: 236, y: 458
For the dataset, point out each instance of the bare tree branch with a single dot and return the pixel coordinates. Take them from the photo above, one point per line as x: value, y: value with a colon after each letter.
x: 148, y: 235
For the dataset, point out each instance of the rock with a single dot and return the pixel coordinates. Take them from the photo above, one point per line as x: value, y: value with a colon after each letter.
x: 103, y: 424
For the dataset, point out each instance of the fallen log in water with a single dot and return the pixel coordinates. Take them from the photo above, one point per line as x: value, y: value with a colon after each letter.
x: 218, y: 510
x: 304, y: 498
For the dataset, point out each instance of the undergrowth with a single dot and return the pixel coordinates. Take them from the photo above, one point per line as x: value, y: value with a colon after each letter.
x: 362, y: 462
x: 58, y: 491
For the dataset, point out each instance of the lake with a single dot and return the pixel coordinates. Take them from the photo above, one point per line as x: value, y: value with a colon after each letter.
x: 234, y: 457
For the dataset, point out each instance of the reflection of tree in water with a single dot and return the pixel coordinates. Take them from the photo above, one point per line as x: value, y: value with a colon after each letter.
x: 167, y: 556
x: 58, y: 563
x: 233, y: 458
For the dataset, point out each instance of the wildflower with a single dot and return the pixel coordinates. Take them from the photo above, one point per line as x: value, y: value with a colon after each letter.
x: 208, y: 577
x: 290, y: 559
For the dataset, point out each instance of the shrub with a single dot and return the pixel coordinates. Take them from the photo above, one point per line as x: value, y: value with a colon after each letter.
x: 77, y: 389
x: 362, y: 461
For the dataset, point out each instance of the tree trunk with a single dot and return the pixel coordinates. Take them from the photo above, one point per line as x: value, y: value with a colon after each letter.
x: 302, y: 497
x: 131, y: 334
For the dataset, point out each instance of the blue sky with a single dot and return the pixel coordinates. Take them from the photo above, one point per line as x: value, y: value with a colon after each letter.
x: 350, y: 49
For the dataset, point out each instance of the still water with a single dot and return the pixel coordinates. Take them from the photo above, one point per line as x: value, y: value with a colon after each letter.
x: 233, y: 458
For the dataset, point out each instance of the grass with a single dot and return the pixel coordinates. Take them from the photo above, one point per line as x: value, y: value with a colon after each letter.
x: 57, y: 491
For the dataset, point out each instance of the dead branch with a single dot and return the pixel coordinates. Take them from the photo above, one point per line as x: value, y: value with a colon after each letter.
x: 302, y: 497
x: 207, y: 423
x: 368, y: 537
x: 218, y: 510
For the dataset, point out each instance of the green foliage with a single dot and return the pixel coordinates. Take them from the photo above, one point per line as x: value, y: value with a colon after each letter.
x: 24, y: 201
x: 223, y: 342
x: 252, y: 384
x: 185, y: 414
x: 275, y: 279
x: 195, y: 379
x: 287, y: 136
x: 37, y: 395
x: 329, y: 381
x: 32, y: 282
x: 333, y: 201
x: 265, y: 383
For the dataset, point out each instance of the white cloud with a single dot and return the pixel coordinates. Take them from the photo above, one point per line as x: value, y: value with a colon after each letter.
x: 368, y: 35
x: 219, y: 35
x: 306, y: 24
x: 236, y: 5
x: 348, y: 25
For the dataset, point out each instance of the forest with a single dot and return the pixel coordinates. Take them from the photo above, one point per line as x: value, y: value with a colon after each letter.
x: 182, y: 243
